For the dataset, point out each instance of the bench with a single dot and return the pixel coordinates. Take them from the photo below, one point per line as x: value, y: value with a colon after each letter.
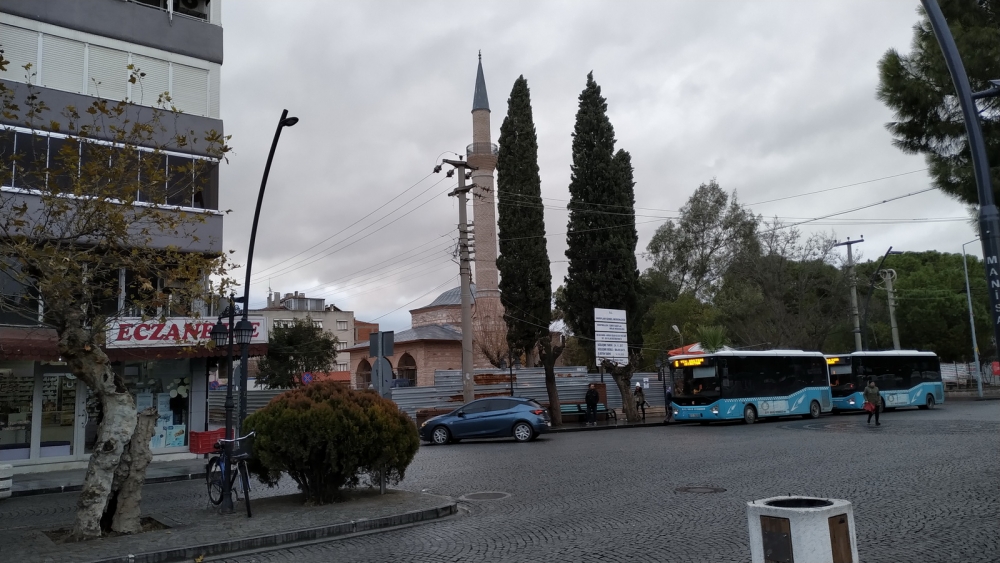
x: 580, y: 410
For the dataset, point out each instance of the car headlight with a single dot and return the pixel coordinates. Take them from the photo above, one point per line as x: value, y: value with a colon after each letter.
x: 424, y: 424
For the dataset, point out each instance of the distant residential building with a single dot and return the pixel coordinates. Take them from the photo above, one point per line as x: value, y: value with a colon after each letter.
x: 281, y: 311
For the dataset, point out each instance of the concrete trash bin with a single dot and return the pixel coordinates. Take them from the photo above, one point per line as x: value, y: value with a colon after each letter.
x: 6, y: 472
x: 801, y: 530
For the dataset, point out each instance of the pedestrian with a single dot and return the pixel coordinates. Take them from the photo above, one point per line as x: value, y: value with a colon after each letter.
x: 872, y: 402
x: 591, y: 398
x: 640, y: 399
x: 670, y: 399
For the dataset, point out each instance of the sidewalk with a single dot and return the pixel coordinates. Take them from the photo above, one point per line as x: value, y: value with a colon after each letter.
x: 196, y: 529
x: 611, y: 424
x: 26, y: 484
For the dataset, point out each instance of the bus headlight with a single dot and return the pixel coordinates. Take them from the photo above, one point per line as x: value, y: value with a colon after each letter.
x: 715, y: 410
x: 851, y: 401
x: 676, y: 412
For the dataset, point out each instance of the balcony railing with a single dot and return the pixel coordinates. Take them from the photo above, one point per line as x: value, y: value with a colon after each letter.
x: 481, y: 148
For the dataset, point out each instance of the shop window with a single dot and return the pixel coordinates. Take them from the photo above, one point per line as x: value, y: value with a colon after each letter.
x: 165, y: 385
x: 58, y: 415
x: 16, y: 394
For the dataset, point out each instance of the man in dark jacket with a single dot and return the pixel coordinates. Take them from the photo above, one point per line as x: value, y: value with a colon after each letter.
x: 592, y: 397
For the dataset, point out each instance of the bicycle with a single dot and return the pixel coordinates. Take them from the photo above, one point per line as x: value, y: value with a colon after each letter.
x: 241, y: 448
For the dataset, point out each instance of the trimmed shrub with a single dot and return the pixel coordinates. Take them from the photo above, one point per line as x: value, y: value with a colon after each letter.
x: 326, y: 436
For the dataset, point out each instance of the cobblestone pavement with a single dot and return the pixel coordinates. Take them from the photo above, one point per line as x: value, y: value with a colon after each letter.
x: 193, y: 521
x: 923, y: 487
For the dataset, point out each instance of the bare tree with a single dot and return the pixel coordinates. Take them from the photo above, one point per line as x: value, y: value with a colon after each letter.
x: 489, y: 332
x: 82, y: 214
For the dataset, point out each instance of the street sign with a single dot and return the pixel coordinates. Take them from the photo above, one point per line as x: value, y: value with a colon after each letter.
x: 609, y: 315
x: 610, y: 336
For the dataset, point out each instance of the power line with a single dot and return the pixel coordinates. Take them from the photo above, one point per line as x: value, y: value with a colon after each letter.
x: 838, y: 187
x: 447, y: 281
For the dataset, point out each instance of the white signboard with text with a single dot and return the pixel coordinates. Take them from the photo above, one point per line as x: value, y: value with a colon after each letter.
x: 134, y: 332
x: 611, y: 336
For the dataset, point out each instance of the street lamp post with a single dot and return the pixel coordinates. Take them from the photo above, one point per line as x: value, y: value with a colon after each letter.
x: 245, y: 329
x: 679, y: 335
x: 972, y: 322
x: 222, y: 335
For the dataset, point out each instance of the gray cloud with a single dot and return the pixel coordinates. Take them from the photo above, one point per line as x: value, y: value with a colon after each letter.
x: 770, y: 98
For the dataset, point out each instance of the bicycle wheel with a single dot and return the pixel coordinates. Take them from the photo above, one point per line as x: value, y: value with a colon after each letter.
x: 213, y: 478
x: 245, y: 478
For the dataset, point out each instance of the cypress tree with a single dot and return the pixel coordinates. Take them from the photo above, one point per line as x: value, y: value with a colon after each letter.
x: 601, y: 233
x: 525, y: 274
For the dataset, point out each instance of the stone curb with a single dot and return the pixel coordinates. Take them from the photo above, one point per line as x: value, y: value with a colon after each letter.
x: 285, y: 537
x: 75, y: 488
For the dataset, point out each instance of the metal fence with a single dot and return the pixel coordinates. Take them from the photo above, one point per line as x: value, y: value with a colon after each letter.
x: 256, y: 399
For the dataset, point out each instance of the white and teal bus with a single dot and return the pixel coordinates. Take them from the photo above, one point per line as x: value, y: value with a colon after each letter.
x: 905, y: 378
x: 732, y: 385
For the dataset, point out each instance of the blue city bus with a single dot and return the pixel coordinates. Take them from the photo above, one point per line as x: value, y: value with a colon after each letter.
x: 735, y: 385
x: 905, y: 378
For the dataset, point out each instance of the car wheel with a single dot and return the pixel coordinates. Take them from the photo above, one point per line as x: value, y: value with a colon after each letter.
x: 749, y: 414
x: 440, y: 436
x: 523, y: 432
x: 814, y: 410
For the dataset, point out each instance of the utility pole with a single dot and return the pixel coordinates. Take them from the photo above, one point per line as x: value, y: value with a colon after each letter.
x: 465, y: 270
x: 972, y: 322
x: 887, y: 277
x: 854, y: 289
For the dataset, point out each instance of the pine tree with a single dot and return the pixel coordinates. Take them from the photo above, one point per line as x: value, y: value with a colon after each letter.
x: 918, y: 88
x: 525, y: 274
x: 601, y: 234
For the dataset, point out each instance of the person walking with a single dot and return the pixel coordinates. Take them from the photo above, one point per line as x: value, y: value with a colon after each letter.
x: 640, y: 399
x: 591, y: 398
x: 875, y: 400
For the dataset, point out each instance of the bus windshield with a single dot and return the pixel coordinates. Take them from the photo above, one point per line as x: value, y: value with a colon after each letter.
x: 697, y: 383
x: 843, y: 381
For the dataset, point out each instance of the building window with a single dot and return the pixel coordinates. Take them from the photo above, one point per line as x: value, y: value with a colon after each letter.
x: 340, y: 367
x: 340, y: 345
x: 407, y: 370
x: 283, y: 323
x: 341, y: 325
x: 364, y: 375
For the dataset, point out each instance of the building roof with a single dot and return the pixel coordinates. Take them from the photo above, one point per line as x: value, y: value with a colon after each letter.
x: 426, y: 332
x: 451, y: 297
x: 479, y: 99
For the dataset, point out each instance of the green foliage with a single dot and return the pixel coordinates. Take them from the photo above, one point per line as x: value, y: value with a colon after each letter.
x: 712, y: 337
x: 686, y: 312
x: 525, y: 275
x: 691, y: 253
x: 785, y: 294
x: 294, y: 350
x: 601, y: 236
x: 932, y: 311
x: 919, y: 89
x: 326, y: 436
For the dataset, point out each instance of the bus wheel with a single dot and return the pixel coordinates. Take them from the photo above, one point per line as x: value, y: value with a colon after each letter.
x: 749, y: 414
x: 814, y: 410
x: 930, y: 403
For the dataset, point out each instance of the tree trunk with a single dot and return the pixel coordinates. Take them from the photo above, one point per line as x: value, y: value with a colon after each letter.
x: 549, y: 355
x: 623, y: 379
x: 89, y: 363
x: 131, y: 475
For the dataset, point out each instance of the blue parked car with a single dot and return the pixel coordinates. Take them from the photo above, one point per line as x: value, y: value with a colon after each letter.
x: 496, y: 417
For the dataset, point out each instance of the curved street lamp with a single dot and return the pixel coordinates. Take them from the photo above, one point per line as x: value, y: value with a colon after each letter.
x: 245, y: 328
x: 223, y: 335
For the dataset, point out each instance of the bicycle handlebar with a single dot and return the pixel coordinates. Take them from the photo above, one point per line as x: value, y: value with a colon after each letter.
x: 238, y: 439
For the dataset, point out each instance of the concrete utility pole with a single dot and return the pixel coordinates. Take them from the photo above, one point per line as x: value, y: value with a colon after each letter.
x: 465, y: 270
x: 972, y: 322
x: 887, y: 277
x: 854, y: 289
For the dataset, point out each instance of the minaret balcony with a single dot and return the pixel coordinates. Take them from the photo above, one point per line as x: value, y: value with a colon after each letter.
x: 477, y: 149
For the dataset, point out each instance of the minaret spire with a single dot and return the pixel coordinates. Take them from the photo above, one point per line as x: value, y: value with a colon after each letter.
x: 479, y: 99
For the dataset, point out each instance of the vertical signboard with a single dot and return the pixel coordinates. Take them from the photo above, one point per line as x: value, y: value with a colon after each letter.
x: 611, y: 336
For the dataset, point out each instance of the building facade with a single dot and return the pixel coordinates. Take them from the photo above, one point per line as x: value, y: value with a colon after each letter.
x: 281, y: 311
x: 80, y: 52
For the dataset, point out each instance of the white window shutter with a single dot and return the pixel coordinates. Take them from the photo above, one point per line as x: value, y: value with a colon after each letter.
x: 214, y: 91
x: 157, y: 80
x: 107, y: 73
x: 20, y: 48
x: 62, y: 60
x: 190, y: 91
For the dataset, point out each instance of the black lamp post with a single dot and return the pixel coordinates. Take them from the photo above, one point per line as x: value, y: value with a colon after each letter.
x: 223, y: 335
x: 245, y: 329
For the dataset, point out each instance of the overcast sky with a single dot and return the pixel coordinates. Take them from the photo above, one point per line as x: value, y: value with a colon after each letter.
x: 772, y: 99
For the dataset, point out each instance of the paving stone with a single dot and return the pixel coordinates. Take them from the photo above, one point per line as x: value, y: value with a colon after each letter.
x: 923, y: 486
